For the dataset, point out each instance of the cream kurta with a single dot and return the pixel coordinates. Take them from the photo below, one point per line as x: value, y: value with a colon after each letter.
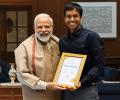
x: 45, y: 62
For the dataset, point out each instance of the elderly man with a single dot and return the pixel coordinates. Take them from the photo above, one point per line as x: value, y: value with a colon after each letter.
x: 36, y: 60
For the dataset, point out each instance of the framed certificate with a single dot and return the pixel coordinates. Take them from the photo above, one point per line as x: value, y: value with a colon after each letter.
x: 69, y: 69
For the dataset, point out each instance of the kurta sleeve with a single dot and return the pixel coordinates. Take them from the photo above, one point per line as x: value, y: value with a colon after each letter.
x: 24, y: 73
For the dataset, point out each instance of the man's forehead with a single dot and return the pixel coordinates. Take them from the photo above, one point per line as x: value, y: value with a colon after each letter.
x: 44, y: 20
x: 43, y: 24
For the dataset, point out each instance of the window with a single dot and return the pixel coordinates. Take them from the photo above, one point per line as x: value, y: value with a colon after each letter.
x: 17, y: 28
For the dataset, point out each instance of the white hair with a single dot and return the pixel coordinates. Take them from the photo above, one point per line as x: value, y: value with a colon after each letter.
x: 41, y: 16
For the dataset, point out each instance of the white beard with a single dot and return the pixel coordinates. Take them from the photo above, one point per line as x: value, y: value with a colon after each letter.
x: 43, y: 39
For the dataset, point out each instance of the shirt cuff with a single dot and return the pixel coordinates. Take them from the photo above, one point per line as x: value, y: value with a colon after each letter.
x: 42, y: 85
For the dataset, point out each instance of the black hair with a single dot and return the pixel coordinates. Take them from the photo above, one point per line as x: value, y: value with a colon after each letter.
x: 72, y: 6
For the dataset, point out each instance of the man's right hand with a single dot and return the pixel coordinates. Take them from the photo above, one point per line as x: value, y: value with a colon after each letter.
x: 54, y: 86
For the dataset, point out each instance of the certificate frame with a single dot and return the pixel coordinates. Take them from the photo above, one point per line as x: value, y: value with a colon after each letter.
x: 71, y: 65
x: 100, y: 17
